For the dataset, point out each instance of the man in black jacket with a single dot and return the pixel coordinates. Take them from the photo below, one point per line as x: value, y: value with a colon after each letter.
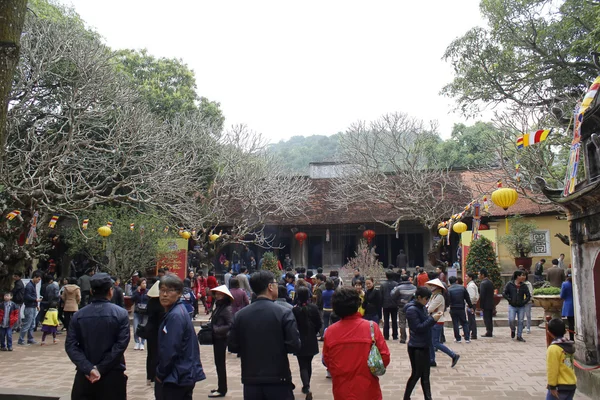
x: 458, y: 298
x: 486, y: 301
x: 265, y: 367
x: 96, y: 341
x: 390, y: 307
x: 31, y: 301
x: 118, y: 297
x: 18, y: 296
x: 517, y: 294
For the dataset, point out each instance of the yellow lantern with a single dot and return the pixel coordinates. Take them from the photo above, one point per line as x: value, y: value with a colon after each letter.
x: 104, y: 231
x: 443, y: 231
x: 186, y: 235
x: 459, y: 227
x: 504, y: 198
x: 213, y: 237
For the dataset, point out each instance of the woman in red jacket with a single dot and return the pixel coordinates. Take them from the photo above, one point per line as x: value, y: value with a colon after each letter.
x: 211, y: 283
x: 346, y: 349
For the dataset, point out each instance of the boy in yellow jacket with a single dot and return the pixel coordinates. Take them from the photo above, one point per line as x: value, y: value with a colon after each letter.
x: 562, y: 382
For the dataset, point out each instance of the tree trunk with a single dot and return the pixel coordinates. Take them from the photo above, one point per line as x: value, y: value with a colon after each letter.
x: 12, y: 18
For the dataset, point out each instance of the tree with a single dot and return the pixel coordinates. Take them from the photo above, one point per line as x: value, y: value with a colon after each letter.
x: 269, y: 263
x: 518, y: 241
x: 126, y: 250
x: 366, y: 261
x: 482, y: 255
x: 389, y: 163
x: 469, y: 146
x: 298, y: 152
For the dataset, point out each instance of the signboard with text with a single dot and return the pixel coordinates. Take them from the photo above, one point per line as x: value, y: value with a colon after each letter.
x: 173, y: 255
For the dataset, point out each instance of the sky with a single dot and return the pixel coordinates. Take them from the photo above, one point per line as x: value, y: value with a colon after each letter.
x: 287, y: 68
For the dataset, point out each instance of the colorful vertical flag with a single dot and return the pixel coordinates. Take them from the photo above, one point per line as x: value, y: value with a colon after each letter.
x: 85, y: 224
x: 131, y: 227
x: 529, y: 139
x: 109, y: 223
x: 166, y: 229
x: 13, y: 214
x: 53, y: 221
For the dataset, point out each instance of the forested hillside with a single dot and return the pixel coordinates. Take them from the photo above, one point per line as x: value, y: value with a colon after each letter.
x: 299, y: 151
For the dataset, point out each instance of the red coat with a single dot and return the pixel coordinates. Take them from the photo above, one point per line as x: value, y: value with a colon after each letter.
x: 14, y: 314
x: 211, y: 282
x: 345, y: 352
x: 422, y: 279
x: 201, y: 287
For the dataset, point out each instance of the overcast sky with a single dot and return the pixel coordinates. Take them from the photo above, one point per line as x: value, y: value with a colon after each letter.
x: 300, y: 68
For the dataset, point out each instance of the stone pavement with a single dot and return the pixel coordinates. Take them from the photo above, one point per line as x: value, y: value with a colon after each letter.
x: 489, y: 368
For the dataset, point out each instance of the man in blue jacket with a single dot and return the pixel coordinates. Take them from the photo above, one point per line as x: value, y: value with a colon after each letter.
x: 31, y: 301
x: 97, y: 338
x: 179, y: 366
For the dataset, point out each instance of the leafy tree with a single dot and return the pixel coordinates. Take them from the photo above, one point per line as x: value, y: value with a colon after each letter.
x: 482, y: 255
x: 469, y: 146
x: 297, y: 152
x: 518, y: 241
x: 270, y: 264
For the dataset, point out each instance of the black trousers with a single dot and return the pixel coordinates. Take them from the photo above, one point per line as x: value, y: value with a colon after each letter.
x: 419, y: 362
x: 305, y: 364
x: 472, y: 324
x: 151, y: 357
x: 571, y: 322
x: 277, y: 391
x: 169, y: 391
x: 85, y: 297
x: 67, y: 315
x: 112, y: 385
x: 459, y: 319
x: 487, y: 320
x: 387, y: 313
x: 219, y: 351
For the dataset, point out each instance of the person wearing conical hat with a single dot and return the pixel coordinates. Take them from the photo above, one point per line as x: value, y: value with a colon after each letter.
x: 155, y: 311
x: 437, y: 304
x: 222, y: 320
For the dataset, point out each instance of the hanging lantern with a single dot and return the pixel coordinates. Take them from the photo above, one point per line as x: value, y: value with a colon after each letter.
x: 443, y: 231
x: 213, y: 237
x: 369, y: 234
x: 504, y: 198
x: 186, y: 235
x: 459, y: 227
x: 104, y: 231
x: 301, y: 237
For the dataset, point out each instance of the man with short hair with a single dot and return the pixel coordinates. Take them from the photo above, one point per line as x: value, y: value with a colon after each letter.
x: 287, y: 262
x: 555, y: 274
x: 290, y: 278
x: 459, y: 296
x: 96, y: 341
x: 179, y: 367
x: 31, y: 301
x: 266, y: 371
x: 474, y: 296
x: 357, y: 277
x: 118, y: 298
x: 244, y: 283
x: 486, y: 301
x: 538, y: 272
x: 403, y: 294
x: 84, y: 286
x: 517, y: 295
x: 561, y: 262
x: 228, y: 276
x: 318, y: 297
x: 390, y: 308
x: 401, y: 260
x: 18, y: 296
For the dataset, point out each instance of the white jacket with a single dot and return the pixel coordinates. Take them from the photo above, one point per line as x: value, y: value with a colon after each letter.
x: 473, y: 292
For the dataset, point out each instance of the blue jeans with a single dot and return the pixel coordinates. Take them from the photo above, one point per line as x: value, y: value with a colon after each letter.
x: 6, y: 332
x: 562, y: 395
x: 138, y: 319
x: 528, y: 314
x: 436, y: 331
x: 374, y: 318
x: 236, y: 268
x: 518, y: 312
x: 326, y: 317
x: 28, y: 325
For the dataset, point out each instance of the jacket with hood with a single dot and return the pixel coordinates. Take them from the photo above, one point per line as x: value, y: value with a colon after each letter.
x: 516, y: 296
x: 71, y: 296
x: 560, y: 365
x: 403, y: 293
x: 419, y: 324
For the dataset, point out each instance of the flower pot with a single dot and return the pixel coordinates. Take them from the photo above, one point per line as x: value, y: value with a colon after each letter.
x: 497, y: 299
x: 552, y: 304
x: 525, y: 262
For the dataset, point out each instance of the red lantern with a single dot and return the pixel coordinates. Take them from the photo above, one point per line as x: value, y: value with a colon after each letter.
x: 301, y: 237
x: 369, y: 235
x: 483, y: 227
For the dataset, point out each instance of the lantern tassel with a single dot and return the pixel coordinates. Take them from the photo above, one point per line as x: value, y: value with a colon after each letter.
x: 506, y: 219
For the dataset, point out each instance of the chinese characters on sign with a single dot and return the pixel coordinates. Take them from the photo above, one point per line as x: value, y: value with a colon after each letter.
x: 540, y: 243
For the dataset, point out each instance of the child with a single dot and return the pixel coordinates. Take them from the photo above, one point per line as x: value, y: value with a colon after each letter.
x: 50, y: 322
x: 9, y: 315
x: 559, y: 364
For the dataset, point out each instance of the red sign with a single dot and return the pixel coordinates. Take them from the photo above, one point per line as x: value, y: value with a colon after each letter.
x: 173, y: 255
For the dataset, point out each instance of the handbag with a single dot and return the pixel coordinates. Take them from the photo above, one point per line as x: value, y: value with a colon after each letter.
x: 205, y: 336
x: 375, y: 362
x: 141, y: 331
x: 140, y: 308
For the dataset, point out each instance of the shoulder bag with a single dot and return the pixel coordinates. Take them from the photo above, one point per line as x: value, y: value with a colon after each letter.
x: 375, y: 362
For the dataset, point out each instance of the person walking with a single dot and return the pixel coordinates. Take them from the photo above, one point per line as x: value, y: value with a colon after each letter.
x: 178, y: 367
x: 326, y: 296
x: 50, y: 323
x: 403, y: 294
x: 420, y: 325
x: 84, y: 285
x: 390, y: 308
x: 372, y: 302
x: 486, y: 301
x: 459, y: 297
x: 202, y: 290
x: 31, y: 302
x: 194, y: 286
x: 309, y: 325
x: 317, y: 298
x: 266, y: 371
x: 154, y: 313
x: 96, y: 344
x: 529, y: 304
x: 436, y: 305
x: 517, y: 295
x: 346, y: 349
x: 473, y: 291
x: 568, y: 311
x: 140, y: 301
x: 240, y: 298
x: 222, y: 319
x: 71, y: 297
x: 18, y: 296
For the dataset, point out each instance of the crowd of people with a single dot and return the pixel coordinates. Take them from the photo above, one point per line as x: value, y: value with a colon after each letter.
x: 290, y: 316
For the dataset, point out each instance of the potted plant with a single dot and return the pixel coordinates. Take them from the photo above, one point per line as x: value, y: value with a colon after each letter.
x: 518, y: 241
x: 548, y: 297
x: 482, y: 255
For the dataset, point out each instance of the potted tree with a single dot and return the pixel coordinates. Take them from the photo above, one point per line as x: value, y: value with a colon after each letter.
x: 518, y: 241
x: 482, y: 255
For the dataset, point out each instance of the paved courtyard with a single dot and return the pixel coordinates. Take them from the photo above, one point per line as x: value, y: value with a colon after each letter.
x: 489, y: 368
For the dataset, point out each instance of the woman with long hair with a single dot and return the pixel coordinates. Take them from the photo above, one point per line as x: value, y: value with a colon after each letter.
x: 309, y: 325
x: 71, y: 296
x: 222, y: 320
x: 372, y: 301
x: 566, y: 293
x: 140, y: 301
